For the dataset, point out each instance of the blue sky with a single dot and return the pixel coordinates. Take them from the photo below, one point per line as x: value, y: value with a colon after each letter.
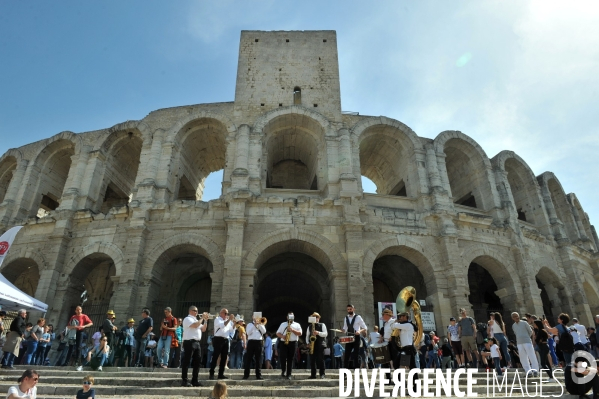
x: 514, y: 75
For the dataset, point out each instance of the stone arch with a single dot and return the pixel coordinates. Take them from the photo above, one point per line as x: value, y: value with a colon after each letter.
x: 121, y: 149
x: 583, y: 222
x: 555, y: 296
x: 106, y: 248
x: 19, y: 258
x: 502, y: 272
x: 467, y: 170
x: 177, y: 130
x: 266, y: 118
x: 51, y: 168
x: 327, y: 253
x: 8, y: 166
x: 387, y: 155
x: 200, y: 145
x: 592, y: 295
x: 204, y: 245
x: 399, y: 130
x: 294, y: 149
x: 524, y: 188
x: 560, y: 203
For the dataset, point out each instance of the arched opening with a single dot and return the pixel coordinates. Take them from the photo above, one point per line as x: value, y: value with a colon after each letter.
x: 123, y: 154
x: 7, y: 169
x: 547, y: 306
x: 54, y: 164
x: 93, y: 275
x: 385, y: 157
x: 24, y: 274
x: 289, y: 279
x: 553, y: 293
x: 297, y: 96
x: 466, y: 171
x: 392, y: 273
x: 562, y: 208
x: 368, y: 185
x: 292, y: 152
x: 584, y: 222
x: 524, y: 192
x: 183, y: 279
x: 482, y: 296
x: 202, y: 151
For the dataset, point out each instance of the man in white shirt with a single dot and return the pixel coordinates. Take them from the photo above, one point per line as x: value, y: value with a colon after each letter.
x: 192, y: 335
x: 255, y: 336
x: 406, y: 337
x: 287, y: 351
x: 582, y: 332
x: 353, y: 325
x: 317, y: 358
x: 386, y: 330
x: 223, y: 324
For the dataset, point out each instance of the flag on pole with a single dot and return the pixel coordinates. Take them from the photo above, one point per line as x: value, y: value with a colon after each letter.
x: 6, y: 241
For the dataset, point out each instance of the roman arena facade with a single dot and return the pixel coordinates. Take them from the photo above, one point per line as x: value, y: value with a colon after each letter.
x: 118, y: 212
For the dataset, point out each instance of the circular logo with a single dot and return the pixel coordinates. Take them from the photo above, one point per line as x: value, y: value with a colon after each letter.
x: 589, y: 361
x: 3, y: 247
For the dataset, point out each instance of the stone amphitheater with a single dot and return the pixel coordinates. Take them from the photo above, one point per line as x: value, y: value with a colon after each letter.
x: 118, y: 212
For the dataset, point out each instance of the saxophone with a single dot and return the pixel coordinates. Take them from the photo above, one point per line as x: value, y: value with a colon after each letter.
x: 288, y: 334
x: 312, y: 338
x: 406, y: 300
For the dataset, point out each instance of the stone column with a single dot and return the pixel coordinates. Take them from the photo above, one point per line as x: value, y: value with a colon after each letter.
x: 74, y: 181
x: 358, y: 293
x: 233, y: 294
x: 557, y: 225
x: 92, y: 181
x: 255, y: 162
x: 240, y: 176
x: 165, y: 174
x: 145, y: 181
x: 348, y: 181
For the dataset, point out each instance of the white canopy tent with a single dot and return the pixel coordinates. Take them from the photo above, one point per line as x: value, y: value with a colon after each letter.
x: 12, y: 298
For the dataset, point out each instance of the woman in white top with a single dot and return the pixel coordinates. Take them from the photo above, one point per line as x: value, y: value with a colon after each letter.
x: 497, y: 327
x: 27, y: 386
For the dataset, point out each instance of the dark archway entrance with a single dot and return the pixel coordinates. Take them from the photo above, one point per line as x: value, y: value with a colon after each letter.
x: 186, y: 281
x: 24, y: 274
x: 547, y: 307
x: 482, y: 293
x: 292, y: 281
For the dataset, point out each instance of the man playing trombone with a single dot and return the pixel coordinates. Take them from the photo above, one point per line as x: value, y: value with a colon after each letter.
x: 193, y: 327
x: 255, y: 333
x: 223, y: 324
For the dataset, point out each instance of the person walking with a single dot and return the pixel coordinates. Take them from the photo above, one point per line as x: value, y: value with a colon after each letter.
x: 523, y: 333
x: 193, y: 327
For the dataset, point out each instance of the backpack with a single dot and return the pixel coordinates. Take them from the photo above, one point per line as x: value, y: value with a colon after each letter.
x: 566, y: 342
x: 480, y: 338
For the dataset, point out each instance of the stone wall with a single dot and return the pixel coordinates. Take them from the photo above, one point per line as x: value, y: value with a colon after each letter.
x: 128, y: 223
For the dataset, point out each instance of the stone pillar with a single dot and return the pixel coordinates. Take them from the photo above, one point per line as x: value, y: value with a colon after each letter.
x: 557, y: 225
x: 241, y: 174
x: 358, y: 295
x: 92, y: 181
x: 255, y: 162
x: 74, y: 181
x: 166, y: 172
x: 148, y: 170
x: 348, y: 181
x: 130, y: 301
x: 233, y: 294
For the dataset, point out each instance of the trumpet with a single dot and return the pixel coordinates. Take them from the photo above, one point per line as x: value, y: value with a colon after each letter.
x: 261, y: 321
x: 206, y: 316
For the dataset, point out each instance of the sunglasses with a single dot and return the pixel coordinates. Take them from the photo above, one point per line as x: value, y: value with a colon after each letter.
x: 87, y: 383
x: 193, y: 310
x: 35, y: 378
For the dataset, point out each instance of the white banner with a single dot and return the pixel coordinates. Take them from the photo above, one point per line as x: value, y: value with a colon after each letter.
x: 6, y: 241
x: 428, y: 321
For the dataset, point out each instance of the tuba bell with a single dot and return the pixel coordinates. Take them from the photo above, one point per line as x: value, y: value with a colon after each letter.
x: 406, y: 300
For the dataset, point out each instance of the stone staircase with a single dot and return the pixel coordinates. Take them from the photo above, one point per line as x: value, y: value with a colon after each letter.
x: 141, y: 383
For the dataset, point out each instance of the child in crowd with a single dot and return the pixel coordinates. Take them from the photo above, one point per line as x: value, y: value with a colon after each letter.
x: 491, y: 344
x: 150, y: 350
x: 87, y: 392
x: 219, y: 391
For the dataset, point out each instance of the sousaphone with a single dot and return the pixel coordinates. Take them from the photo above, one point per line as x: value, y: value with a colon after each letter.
x: 406, y: 301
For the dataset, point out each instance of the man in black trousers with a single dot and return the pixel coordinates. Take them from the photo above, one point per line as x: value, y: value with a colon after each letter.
x: 223, y: 325
x: 193, y: 327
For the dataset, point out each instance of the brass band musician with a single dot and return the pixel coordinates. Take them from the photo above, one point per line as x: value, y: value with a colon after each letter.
x: 223, y: 325
x: 317, y: 355
x: 385, y: 332
x: 354, y: 325
x: 255, y: 334
x: 288, y: 334
x: 406, y: 337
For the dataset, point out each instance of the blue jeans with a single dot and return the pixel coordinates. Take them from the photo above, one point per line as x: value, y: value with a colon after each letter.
x: 502, y: 341
x: 235, y: 359
x: 164, y: 343
x: 102, y: 357
x: 31, y: 349
x: 8, y: 359
x: 497, y: 364
x: 433, y: 356
x: 209, y: 357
